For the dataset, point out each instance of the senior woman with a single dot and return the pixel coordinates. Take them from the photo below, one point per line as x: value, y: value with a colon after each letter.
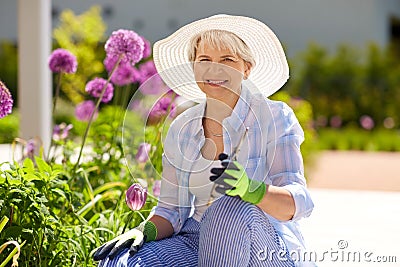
x: 233, y: 184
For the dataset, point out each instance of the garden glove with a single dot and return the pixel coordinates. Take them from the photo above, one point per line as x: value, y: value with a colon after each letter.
x: 133, y: 239
x: 231, y: 179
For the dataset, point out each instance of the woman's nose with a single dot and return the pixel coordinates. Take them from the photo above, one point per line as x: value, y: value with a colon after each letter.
x: 215, y: 67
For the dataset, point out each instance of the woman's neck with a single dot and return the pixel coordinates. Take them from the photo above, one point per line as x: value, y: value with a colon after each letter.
x: 219, y: 109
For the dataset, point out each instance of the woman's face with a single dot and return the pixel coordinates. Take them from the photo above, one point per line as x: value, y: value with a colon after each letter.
x: 217, y: 71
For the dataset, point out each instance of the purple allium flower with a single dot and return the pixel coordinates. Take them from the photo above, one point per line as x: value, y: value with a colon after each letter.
x: 367, y: 122
x: 136, y: 196
x: 336, y: 122
x: 147, y: 70
x: 162, y: 107
x: 388, y: 123
x: 95, y: 86
x: 152, y: 86
x: 150, y: 81
x: 6, y: 101
x: 61, y: 131
x: 123, y: 75
x: 62, y: 60
x: 147, y: 47
x: 321, y: 121
x: 136, y: 77
x: 143, y: 152
x: 84, y: 110
x: 109, y: 63
x: 126, y: 43
x: 157, y: 188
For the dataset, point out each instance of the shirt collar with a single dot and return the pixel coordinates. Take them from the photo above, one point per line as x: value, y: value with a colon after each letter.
x: 240, y: 110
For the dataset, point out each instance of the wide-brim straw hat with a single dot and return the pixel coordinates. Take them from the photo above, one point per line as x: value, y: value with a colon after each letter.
x: 268, y: 75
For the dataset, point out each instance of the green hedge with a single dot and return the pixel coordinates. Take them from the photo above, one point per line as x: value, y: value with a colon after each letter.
x: 356, y: 139
x: 349, y: 83
x: 9, y: 127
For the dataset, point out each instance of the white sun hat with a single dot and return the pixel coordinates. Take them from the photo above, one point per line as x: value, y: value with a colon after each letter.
x: 270, y: 73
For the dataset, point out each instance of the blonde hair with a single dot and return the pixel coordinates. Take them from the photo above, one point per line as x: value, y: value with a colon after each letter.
x: 221, y: 39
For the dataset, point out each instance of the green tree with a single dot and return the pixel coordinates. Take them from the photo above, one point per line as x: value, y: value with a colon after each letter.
x: 83, y: 35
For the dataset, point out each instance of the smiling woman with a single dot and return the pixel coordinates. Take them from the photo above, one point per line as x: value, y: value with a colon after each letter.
x: 258, y: 192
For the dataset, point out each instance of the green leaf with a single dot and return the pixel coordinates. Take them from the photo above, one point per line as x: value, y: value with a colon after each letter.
x: 55, y: 174
x: 31, y: 177
x: 110, y: 185
x: 12, y: 232
x: 59, y: 192
x: 13, y: 180
x: 28, y: 165
x: 42, y: 166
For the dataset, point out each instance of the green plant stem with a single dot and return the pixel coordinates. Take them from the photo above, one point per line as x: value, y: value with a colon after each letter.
x: 11, y: 255
x: 3, y: 222
x: 57, y: 92
x: 94, y: 111
x: 53, y: 111
x: 126, y: 94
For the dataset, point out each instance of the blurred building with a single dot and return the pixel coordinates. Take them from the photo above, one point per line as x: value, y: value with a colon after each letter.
x: 296, y: 22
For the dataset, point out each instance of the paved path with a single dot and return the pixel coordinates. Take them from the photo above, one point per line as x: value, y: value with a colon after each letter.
x: 356, y: 170
x: 357, y: 209
x: 362, y: 224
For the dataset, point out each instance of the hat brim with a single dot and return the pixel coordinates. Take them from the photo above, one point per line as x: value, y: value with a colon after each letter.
x: 172, y: 61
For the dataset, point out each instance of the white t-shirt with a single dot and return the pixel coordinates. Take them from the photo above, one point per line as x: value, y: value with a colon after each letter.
x: 201, y: 186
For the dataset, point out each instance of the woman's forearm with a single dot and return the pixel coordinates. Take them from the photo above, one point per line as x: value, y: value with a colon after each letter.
x: 278, y: 202
x: 164, y: 227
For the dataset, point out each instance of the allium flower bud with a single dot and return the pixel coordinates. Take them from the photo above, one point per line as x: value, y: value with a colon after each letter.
x: 136, y: 196
x: 143, y: 152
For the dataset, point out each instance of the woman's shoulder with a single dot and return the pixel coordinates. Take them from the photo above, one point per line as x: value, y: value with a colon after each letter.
x: 276, y: 107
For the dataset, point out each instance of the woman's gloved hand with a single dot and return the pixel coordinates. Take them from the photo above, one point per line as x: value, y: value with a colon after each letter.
x: 231, y: 179
x: 133, y: 239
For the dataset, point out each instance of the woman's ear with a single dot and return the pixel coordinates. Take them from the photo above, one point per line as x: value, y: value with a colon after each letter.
x: 247, y: 70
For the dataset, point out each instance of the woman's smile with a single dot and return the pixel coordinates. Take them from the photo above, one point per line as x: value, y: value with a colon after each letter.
x: 216, y: 83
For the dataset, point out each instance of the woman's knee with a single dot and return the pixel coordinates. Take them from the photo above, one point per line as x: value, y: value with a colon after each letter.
x: 229, y: 209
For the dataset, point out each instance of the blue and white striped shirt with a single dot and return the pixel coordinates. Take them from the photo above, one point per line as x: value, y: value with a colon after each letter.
x: 271, y: 153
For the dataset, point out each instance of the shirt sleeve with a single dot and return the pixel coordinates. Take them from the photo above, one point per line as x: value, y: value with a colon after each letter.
x: 168, y: 203
x: 284, y: 159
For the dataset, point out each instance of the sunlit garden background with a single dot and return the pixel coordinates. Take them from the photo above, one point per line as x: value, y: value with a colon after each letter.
x: 62, y: 203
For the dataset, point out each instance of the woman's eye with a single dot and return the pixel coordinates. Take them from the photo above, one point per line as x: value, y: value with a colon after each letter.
x: 204, y: 60
x: 228, y: 59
